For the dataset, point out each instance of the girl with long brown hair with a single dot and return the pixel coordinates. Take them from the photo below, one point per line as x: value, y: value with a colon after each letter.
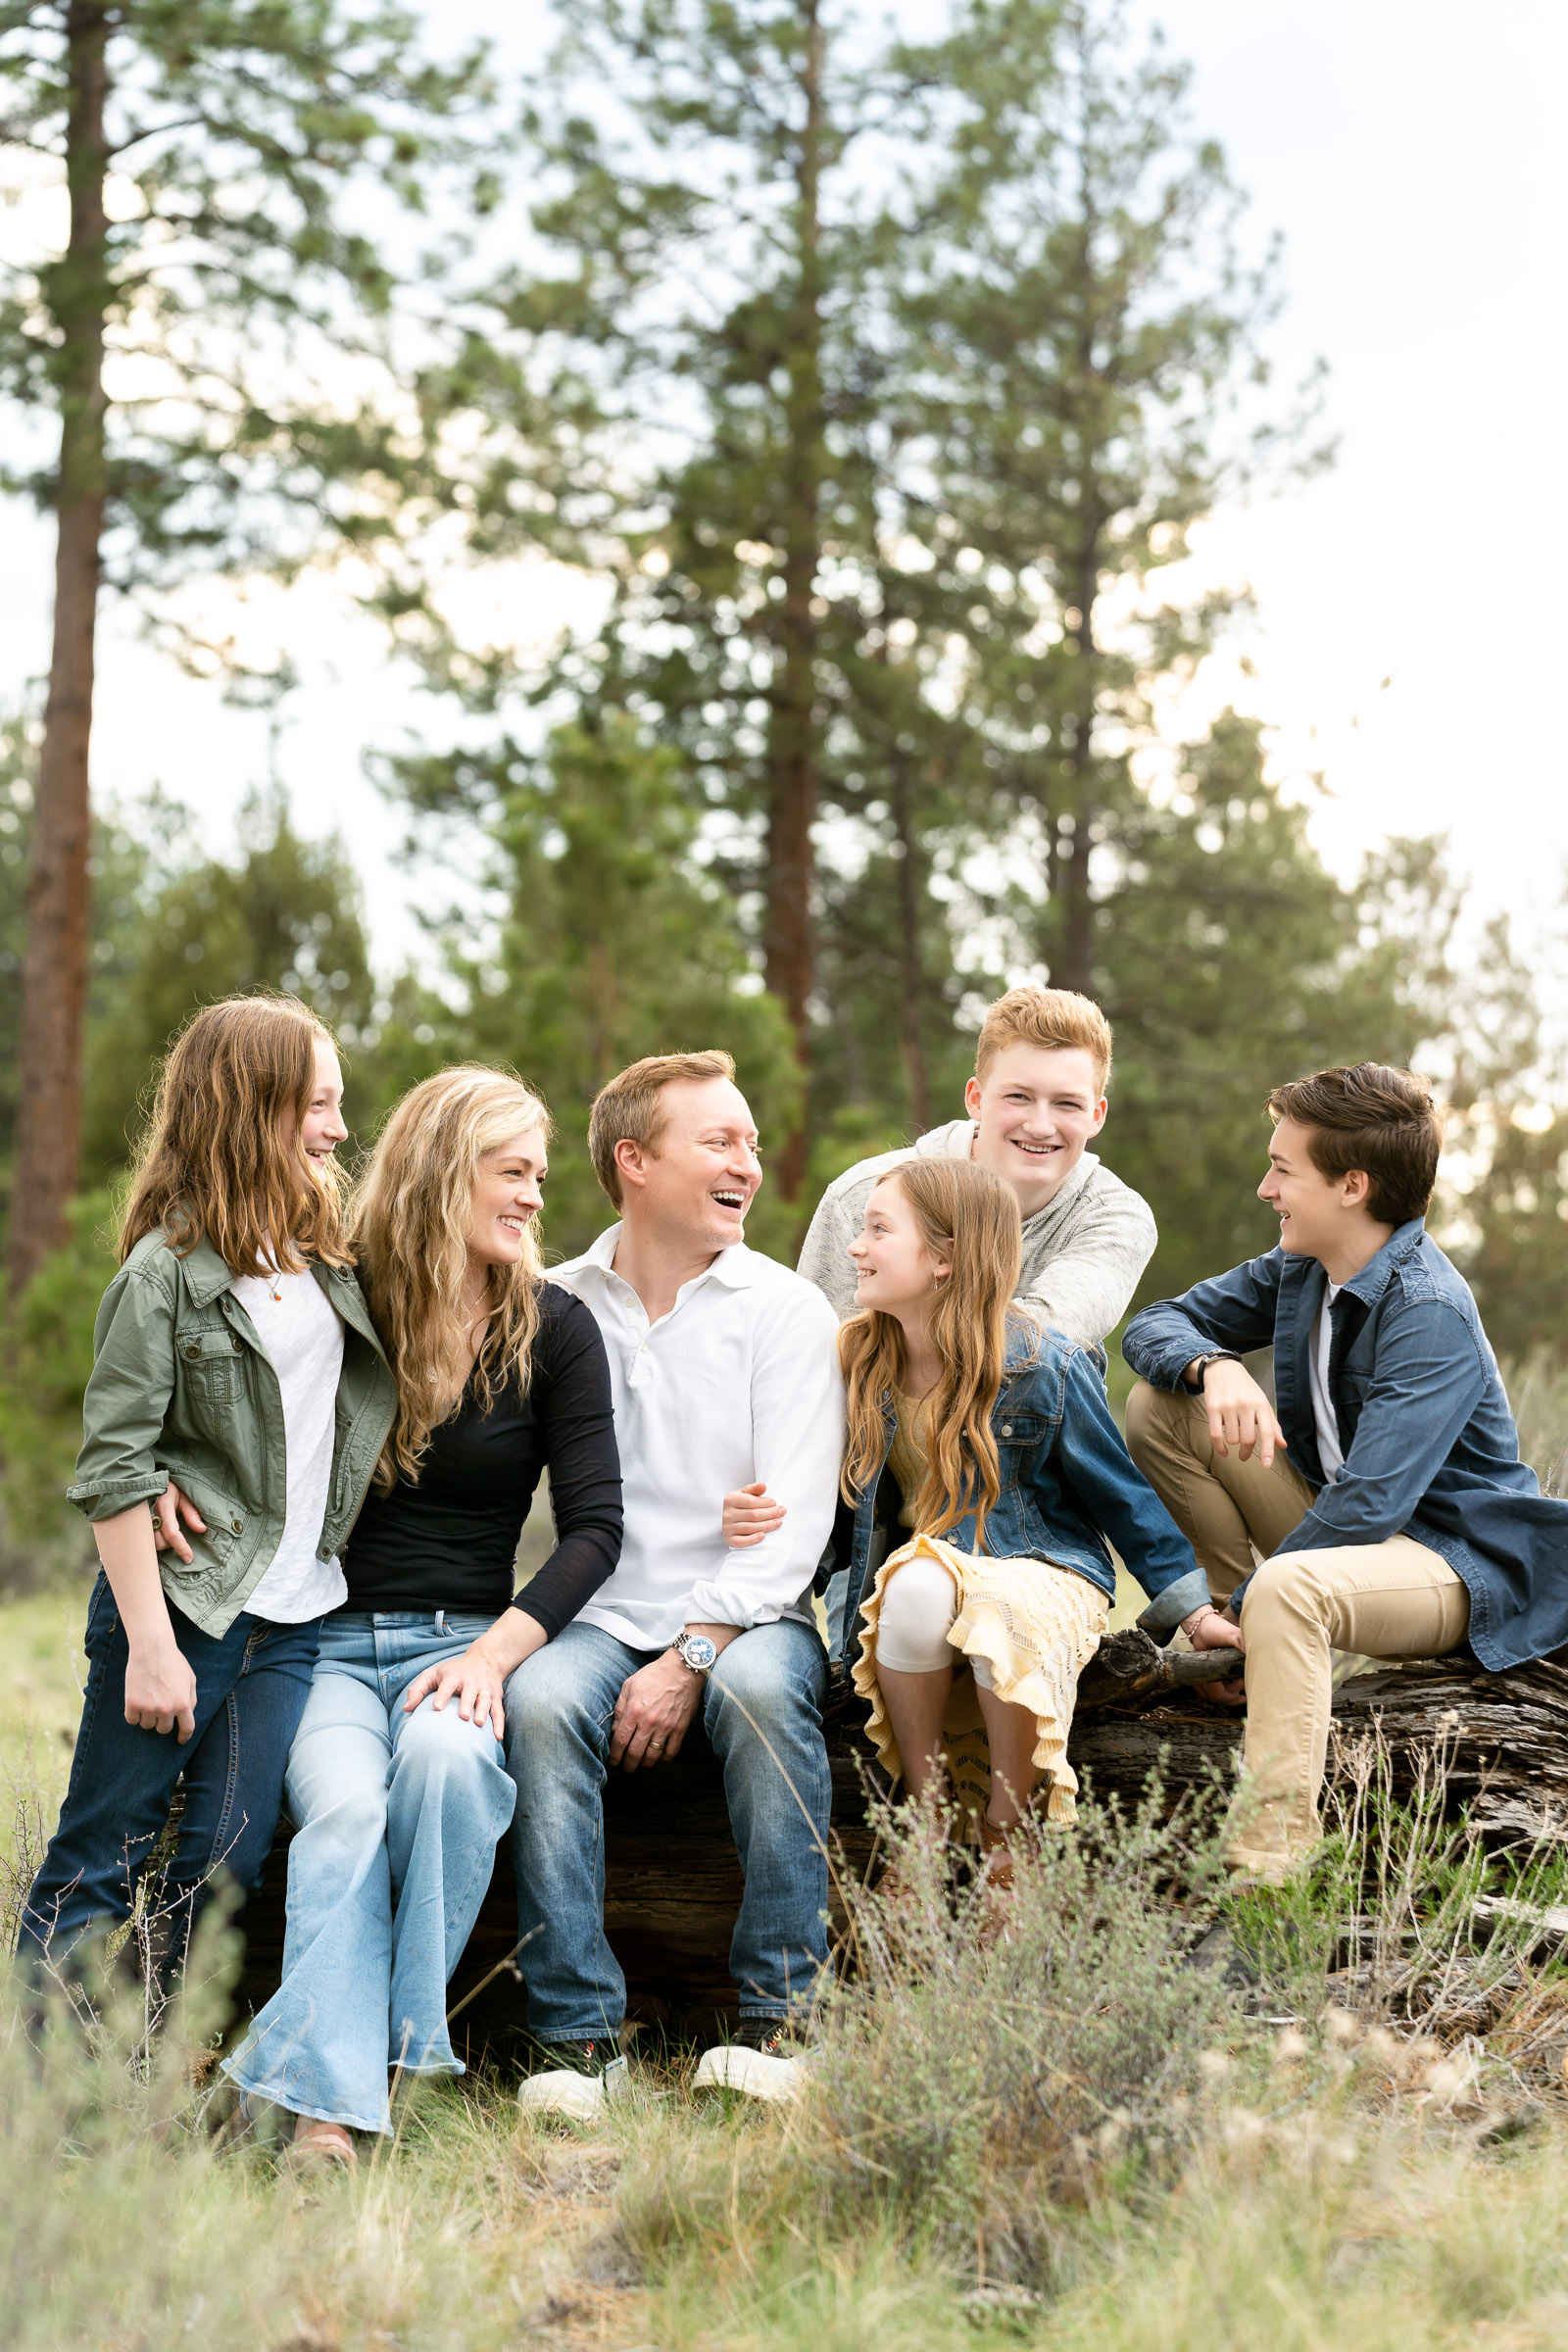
x: 986, y: 1474
x: 397, y: 1781
x: 233, y: 1364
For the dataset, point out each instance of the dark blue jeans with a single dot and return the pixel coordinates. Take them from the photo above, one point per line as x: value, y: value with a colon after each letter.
x: 251, y: 1687
x: 762, y: 1713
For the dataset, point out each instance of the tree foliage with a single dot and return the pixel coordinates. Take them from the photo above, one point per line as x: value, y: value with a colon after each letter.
x: 608, y: 940
x: 212, y: 270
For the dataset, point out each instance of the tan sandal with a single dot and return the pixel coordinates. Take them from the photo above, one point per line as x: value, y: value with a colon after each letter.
x: 994, y: 1880
x: 316, y: 2141
x: 996, y: 1856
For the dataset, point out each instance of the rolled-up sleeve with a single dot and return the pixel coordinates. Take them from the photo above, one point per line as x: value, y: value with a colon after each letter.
x: 1116, y: 1497
x: 126, y: 1399
x: 798, y: 1439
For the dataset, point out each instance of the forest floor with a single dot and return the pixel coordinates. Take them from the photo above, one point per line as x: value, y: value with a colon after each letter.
x: 1079, y: 2140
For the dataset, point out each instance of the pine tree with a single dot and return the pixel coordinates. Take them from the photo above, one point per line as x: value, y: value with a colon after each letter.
x: 212, y: 152
x: 1083, y: 338
x: 687, y: 371
x: 603, y: 939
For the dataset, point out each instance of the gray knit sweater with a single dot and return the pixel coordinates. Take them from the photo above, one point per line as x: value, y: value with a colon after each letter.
x: 1083, y: 1252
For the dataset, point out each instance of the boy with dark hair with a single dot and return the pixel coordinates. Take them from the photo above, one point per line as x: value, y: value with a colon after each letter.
x: 1383, y: 1487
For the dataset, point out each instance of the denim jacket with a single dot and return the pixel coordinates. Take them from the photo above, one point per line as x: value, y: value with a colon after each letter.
x: 1429, y: 1441
x: 1067, y: 1484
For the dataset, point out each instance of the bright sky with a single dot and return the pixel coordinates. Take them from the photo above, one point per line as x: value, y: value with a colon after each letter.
x: 1411, y: 152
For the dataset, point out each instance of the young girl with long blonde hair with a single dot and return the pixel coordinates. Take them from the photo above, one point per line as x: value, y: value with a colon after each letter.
x: 397, y: 1779
x: 233, y: 1359
x: 985, y: 1474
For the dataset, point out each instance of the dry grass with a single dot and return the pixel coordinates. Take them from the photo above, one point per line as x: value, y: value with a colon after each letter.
x: 1076, y: 2142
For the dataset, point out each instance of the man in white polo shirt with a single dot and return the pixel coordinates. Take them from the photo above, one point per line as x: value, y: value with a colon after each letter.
x: 724, y: 1372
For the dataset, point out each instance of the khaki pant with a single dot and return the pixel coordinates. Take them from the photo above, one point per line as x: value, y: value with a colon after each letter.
x: 1395, y: 1600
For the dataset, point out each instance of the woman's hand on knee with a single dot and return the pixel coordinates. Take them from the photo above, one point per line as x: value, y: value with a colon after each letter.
x: 473, y: 1678
x: 477, y: 1678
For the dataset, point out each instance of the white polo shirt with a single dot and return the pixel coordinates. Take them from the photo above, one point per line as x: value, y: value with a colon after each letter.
x: 740, y: 1381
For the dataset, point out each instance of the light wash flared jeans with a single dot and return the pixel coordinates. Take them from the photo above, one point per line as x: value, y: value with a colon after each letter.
x: 397, y: 1822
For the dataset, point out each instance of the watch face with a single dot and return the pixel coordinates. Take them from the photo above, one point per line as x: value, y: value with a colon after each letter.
x: 699, y: 1653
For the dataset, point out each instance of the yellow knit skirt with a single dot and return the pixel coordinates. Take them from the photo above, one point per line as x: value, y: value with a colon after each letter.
x: 1034, y: 1625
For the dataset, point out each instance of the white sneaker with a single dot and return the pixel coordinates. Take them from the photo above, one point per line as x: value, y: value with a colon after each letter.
x: 585, y: 2093
x: 752, y: 2073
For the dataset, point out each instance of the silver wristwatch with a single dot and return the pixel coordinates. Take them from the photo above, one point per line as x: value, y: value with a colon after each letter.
x: 695, y: 1650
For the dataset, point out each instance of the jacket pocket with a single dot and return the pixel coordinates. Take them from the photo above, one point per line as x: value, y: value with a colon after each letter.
x: 212, y: 1373
x: 224, y: 1517
x: 1020, y: 1439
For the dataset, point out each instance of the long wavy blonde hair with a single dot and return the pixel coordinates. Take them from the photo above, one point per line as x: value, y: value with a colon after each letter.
x: 213, y: 1164
x: 412, y: 1218
x: 969, y: 1217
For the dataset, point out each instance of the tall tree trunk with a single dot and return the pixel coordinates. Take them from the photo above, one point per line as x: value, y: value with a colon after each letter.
x: 1074, y: 968
x: 791, y: 762
x: 53, y: 971
x: 911, y: 971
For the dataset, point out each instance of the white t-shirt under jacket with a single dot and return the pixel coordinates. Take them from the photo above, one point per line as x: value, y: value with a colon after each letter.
x: 301, y: 1331
x: 739, y: 1381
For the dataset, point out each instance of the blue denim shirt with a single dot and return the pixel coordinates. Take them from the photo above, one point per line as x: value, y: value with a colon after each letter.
x: 1067, y: 1484
x: 1429, y: 1441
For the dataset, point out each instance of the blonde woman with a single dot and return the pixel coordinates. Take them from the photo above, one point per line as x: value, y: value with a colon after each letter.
x: 982, y: 1457
x: 395, y: 1778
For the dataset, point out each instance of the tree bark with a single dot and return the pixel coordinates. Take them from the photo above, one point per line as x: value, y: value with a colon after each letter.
x: 1074, y: 968
x: 54, y: 972
x: 911, y: 975
x: 792, y: 751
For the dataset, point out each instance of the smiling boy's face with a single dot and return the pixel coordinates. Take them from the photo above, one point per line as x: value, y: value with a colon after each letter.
x: 1033, y: 1111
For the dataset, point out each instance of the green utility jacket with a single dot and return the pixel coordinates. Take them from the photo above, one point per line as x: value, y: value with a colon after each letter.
x: 182, y: 1388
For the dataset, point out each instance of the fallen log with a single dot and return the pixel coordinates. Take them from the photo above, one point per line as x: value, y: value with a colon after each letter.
x: 673, y: 1880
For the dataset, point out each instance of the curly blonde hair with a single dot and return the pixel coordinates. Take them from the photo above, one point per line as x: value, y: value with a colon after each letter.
x: 412, y: 1219
x: 965, y: 1214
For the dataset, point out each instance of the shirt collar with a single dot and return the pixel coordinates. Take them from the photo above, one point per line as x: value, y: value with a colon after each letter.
x: 206, y: 1274
x: 1378, y: 1272
x: 732, y: 1266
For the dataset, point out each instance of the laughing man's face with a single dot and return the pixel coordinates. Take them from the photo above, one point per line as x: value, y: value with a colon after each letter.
x: 1034, y: 1112
x: 705, y: 1174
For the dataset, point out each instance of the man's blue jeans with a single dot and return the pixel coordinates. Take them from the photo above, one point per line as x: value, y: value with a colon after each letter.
x: 761, y: 1714
x: 251, y: 1684
x: 398, y: 1819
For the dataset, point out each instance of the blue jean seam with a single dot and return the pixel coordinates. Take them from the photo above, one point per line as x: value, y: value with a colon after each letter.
x: 225, y: 1810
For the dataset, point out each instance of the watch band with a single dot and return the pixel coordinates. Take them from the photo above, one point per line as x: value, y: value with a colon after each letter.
x: 1217, y: 1355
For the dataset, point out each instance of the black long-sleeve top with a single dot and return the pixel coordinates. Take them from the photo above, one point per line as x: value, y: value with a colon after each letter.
x: 450, y: 1541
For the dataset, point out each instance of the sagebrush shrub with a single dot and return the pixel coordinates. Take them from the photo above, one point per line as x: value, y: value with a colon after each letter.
x: 971, y: 2080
